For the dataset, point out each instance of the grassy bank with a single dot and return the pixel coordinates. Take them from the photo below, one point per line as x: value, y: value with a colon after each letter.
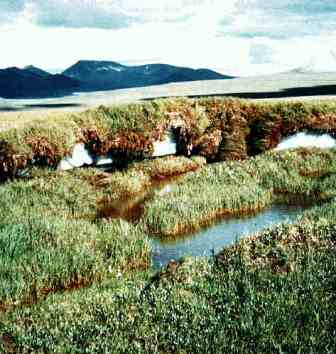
x: 274, y: 292
x: 141, y: 176
x: 218, y: 129
x: 51, y: 238
x: 242, y: 187
x: 42, y: 257
x: 50, y: 234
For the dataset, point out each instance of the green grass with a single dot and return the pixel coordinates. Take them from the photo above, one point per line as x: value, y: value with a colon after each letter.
x: 41, y: 257
x: 49, y: 244
x: 141, y: 176
x: 50, y: 235
x: 274, y: 292
x: 237, y: 188
x: 62, y: 195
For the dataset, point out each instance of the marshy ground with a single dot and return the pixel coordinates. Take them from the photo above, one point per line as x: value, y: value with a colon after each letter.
x: 75, y: 276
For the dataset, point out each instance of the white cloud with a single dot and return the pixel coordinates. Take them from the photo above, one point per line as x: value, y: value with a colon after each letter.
x: 80, y: 14
x: 114, y: 14
x: 240, y: 37
x: 9, y: 9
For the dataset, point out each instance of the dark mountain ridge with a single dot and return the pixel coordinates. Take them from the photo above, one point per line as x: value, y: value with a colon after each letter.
x: 109, y: 75
x: 92, y: 75
x: 33, y: 69
x: 25, y: 83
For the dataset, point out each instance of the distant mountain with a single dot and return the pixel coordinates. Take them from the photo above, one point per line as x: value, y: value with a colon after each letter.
x: 87, y: 75
x: 33, y: 69
x: 109, y: 75
x: 34, y: 82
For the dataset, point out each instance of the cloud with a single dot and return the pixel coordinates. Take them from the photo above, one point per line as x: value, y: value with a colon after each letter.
x: 241, y: 37
x: 280, y: 19
x: 303, y: 7
x: 114, y: 14
x: 101, y: 14
x: 80, y: 14
x: 11, y: 5
x: 261, y: 54
x: 9, y: 10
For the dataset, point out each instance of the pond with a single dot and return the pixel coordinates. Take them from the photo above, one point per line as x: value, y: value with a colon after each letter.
x: 211, y: 240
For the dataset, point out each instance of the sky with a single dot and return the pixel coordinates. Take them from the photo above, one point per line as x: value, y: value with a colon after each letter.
x: 237, y: 37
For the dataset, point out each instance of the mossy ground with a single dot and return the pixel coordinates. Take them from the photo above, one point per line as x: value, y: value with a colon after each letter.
x: 72, y: 284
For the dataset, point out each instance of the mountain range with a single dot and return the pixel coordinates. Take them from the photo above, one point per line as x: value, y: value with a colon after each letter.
x: 34, y: 82
x: 91, y: 75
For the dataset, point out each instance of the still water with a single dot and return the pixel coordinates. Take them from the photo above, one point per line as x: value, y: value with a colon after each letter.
x: 213, y: 239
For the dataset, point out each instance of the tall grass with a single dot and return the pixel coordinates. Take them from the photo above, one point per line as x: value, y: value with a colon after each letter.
x: 141, y: 176
x: 50, y: 239
x: 274, y: 292
x: 235, y: 188
x: 43, y: 256
x: 46, y: 243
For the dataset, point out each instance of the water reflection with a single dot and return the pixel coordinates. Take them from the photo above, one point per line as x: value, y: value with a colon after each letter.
x: 214, y: 238
x: 131, y: 209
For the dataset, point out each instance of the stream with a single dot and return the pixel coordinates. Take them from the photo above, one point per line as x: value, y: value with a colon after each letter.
x: 207, y: 241
x: 212, y: 239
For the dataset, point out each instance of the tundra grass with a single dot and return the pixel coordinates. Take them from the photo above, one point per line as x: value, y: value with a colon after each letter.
x: 237, y: 188
x: 63, y: 195
x: 46, y: 243
x: 272, y: 292
x: 140, y: 176
x: 44, y: 256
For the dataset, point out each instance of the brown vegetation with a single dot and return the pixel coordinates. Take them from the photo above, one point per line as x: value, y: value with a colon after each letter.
x: 218, y: 129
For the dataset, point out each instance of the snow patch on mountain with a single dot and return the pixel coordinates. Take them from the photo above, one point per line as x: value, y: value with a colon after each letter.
x: 109, y: 68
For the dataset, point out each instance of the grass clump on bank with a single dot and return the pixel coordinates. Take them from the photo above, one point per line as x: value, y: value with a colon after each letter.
x: 47, y: 244
x: 141, y: 176
x: 274, y: 292
x: 52, y: 242
x: 45, y: 256
x: 50, y: 239
x: 63, y: 195
x: 238, y: 188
